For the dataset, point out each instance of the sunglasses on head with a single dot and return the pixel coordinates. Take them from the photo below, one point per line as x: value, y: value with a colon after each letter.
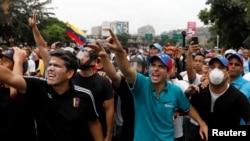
x: 205, y: 62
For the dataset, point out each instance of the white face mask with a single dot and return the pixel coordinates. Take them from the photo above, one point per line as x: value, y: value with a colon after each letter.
x: 216, y: 76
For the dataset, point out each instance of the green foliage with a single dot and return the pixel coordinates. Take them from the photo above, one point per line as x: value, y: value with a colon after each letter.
x: 230, y: 19
x: 53, y: 33
x: 14, y: 16
x: 123, y: 38
x: 169, y: 41
x: 54, y: 30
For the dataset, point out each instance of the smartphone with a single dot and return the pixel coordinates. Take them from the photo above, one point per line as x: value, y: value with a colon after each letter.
x: 195, y: 40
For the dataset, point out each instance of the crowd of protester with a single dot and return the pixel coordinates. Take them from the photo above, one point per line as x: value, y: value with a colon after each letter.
x: 107, y: 92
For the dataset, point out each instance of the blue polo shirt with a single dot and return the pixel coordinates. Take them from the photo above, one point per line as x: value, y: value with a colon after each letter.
x: 153, y: 114
x: 244, y: 86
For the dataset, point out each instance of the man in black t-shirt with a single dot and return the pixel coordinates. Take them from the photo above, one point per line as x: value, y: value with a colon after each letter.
x: 61, y: 108
x: 90, y: 121
x: 100, y: 87
x: 16, y: 112
x: 220, y: 104
x: 125, y: 132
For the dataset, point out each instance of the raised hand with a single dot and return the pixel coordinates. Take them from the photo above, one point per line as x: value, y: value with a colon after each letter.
x: 19, y: 55
x: 193, y: 47
x: 113, y: 43
x: 98, y: 48
x: 192, y: 89
x: 33, y: 19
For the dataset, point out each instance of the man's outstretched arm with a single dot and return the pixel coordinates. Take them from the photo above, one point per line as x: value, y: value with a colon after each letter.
x: 108, y: 67
x: 114, y: 44
x: 42, y: 45
x: 14, y: 80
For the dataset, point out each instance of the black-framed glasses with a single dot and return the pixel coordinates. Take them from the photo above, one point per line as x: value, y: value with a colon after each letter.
x: 205, y: 62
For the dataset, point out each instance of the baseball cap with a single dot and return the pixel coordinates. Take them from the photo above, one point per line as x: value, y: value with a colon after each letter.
x: 165, y: 59
x: 228, y: 52
x: 9, y: 53
x: 221, y: 59
x: 171, y: 50
x: 237, y: 56
x: 156, y: 45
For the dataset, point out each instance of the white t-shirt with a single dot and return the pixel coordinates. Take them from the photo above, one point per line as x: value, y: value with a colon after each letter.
x: 247, y: 76
x: 178, y: 122
x: 214, y: 97
x: 246, y: 66
x: 31, y: 66
x: 196, y: 81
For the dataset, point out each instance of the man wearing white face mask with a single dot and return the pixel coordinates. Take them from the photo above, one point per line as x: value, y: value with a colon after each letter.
x: 220, y: 104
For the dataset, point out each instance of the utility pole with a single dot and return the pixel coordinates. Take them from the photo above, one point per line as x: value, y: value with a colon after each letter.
x: 218, y: 39
x: 184, y: 34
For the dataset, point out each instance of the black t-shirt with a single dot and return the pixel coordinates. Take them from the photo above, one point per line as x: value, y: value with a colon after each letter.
x: 102, y: 90
x: 229, y: 108
x: 60, y: 117
x: 16, y: 118
x: 127, y: 110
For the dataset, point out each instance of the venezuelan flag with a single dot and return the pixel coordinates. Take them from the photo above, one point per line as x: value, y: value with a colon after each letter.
x: 76, y: 34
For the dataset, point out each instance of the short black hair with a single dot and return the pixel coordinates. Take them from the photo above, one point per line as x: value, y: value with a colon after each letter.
x: 70, y: 60
x: 199, y: 54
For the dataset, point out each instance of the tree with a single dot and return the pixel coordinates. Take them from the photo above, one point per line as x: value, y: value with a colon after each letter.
x: 14, y: 18
x: 55, y: 30
x: 229, y: 20
x: 123, y: 38
x: 54, y: 33
x: 169, y: 41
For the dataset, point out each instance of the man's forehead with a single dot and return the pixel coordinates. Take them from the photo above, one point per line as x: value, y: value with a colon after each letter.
x: 152, y: 47
x: 199, y: 56
x: 90, y: 50
x: 55, y: 58
x: 157, y: 62
x: 233, y: 59
x: 207, y: 59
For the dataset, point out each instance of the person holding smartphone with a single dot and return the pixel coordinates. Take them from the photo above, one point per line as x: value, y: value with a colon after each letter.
x: 195, y: 40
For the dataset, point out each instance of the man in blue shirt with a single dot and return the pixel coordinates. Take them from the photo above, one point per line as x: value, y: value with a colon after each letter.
x: 235, y: 69
x: 246, y: 61
x: 155, y: 99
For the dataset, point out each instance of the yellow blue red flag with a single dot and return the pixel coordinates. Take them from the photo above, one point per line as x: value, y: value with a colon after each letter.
x: 76, y: 34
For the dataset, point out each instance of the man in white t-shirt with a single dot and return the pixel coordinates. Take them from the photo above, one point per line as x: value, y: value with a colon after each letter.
x: 194, y: 63
x: 31, y: 70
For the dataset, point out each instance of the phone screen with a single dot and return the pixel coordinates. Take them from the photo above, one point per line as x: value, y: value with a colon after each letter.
x: 195, y: 40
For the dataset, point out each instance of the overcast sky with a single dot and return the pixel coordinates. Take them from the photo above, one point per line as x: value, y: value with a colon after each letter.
x: 163, y: 15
